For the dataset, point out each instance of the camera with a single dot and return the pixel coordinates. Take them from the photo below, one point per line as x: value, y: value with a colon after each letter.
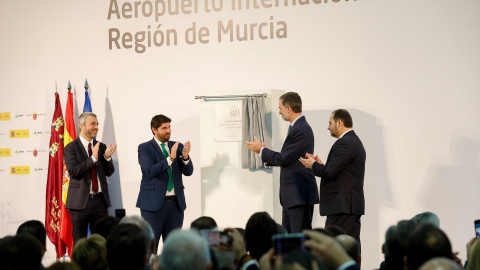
x: 477, y: 228
x: 284, y: 243
x: 217, y: 238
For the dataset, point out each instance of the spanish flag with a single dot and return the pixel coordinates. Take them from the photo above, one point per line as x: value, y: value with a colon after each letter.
x: 54, y: 203
x: 66, y: 222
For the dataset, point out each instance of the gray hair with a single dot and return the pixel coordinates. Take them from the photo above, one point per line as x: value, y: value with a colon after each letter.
x: 144, y: 225
x: 83, y: 117
x: 440, y: 263
x: 427, y: 217
x: 185, y: 250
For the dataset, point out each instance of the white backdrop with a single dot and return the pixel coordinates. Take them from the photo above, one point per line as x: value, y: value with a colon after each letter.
x: 407, y: 70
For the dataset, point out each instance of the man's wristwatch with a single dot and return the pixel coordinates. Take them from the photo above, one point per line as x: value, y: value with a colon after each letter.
x: 185, y: 159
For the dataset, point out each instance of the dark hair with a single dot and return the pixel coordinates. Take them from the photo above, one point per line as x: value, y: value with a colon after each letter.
x: 396, y: 240
x: 258, y: 234
x: 203, y: 223
x: 302, y: 257
x: 158, y: 120
x: 427, y: 242
x: 35, y: 228
x: 344, y: 115
x: 22, y: 251
x: 105, y: 225
x: 126, y: 247
x: 292, y: 100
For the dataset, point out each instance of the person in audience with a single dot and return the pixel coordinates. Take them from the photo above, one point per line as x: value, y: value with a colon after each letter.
x: 426, y: 242
x: 426, y: 217
x: 440, y: 264
x: 204, y: 223
x: 105, y: 225
x: 64, y: 266
x: 19, y: 252
x: 185, y: 250
x: 350, y: 245
x: 126, y: 248
x: 395, y: 246
x: 37, y: 229
x: 258, y: 234
x: 147, y: 232
x: 473, y: 254
x: 90, y: 253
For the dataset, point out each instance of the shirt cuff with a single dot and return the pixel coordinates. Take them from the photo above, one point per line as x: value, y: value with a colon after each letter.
x: 107, y: 159
x: 94, y: 159
x: 346, y: 265
x: 247, y: 264
x: 186, y: 161
x: 260, y: 154
x: 169, y: 161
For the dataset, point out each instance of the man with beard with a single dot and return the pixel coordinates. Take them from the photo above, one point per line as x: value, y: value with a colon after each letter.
x: 88, y: 162
x: 163, y: 162
x: 298, y: 187
x: 341, y: 187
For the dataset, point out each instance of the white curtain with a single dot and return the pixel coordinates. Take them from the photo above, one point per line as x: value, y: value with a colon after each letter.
x: 254, y: 124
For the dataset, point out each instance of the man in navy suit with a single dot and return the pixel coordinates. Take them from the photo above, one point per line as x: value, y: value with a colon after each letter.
x: 88, y: 162
x: 341, y: 187
x: 161, y: 198
x: 298, y: 187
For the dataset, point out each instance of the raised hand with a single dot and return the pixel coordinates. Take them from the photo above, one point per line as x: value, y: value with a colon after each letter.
x: 95, y: 150
x: 255, y: 145
x: 109, y: 152
x: 186, y: 150
x: 173, y: 151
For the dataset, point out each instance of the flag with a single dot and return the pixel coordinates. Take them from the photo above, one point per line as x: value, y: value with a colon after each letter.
x: 65, y: 221
x: 87, y: 107
x: 53, y: 205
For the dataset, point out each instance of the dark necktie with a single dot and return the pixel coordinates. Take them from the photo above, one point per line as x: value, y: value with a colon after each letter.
x: 289, y: 128
x: 169, y: 171
x: 94, y: 172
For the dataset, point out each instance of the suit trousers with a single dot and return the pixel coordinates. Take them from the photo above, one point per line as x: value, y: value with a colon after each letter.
x: 94, y: 211
x: 297, y: 218
x: 168, y: 218
x: 349, y: 223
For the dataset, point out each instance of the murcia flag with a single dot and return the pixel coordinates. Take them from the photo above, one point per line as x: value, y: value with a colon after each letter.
x: 53, y: 205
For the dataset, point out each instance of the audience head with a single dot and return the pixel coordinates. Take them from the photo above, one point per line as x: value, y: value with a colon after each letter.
x: 350, y: 245
x: 64, y: 266
x: 126, y: 247
x: 204, y: 223
x: 440, y: 264
x: 147, y: 232
x: 281, y: 229
x: 90, y: 253
x: 22, y: 251
x: 37, y: 229
x: 105, y: 225
x: 396, y: 240
x: 426, y: 217
x: 473, y: 254
x: 185, y: 250
x: 427, y: 242
x: 258, y: 234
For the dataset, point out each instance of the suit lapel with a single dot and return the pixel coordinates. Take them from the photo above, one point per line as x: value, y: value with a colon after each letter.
x: 157, y: 148
x: 82, y: 149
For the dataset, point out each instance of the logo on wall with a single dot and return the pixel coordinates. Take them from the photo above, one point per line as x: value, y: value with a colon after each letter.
x: 34, y: 115
x: 17, y: 170
x: 235, y: 112
x: 4, y: 116
x: 35, y: 152
x: 5, y: 152
x: 19, y: 133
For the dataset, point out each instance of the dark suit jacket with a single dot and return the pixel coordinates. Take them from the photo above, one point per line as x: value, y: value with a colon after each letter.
x: 341, y: 187
x: 154, y: 165
x: 79, y: 166
x: 297, y: 183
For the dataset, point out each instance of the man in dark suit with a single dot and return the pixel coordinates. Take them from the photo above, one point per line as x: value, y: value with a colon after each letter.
x: 298, y: 187
x: 341, y: 187
x: 161, y: 198
x: 88, y: 162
